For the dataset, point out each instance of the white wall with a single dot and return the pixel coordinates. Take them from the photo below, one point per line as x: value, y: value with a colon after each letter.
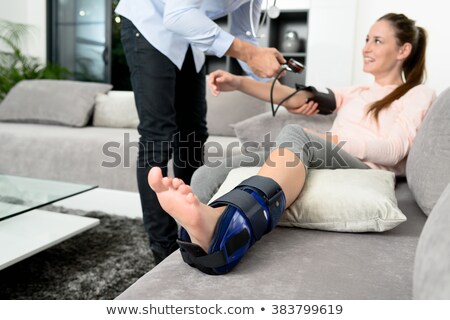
x: 330, y: 57
x: 31, y: 12
x: 433, y: 15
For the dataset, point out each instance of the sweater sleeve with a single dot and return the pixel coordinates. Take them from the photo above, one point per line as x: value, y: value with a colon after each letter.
x: 394, y: 141
x: 342, y: 94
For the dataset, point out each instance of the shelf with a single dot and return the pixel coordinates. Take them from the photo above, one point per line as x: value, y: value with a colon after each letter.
x: 289, y: 22
x: 275, y: 31
x: 294, y: 54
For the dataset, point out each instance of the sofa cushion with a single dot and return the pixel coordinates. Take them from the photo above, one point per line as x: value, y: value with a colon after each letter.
x: 256, y: 128
x: 432, y: 263
x: 228, y: 108
x: 61, y: 102
x: 346, y: 200
x: 428, y: 165
x: 116, y: 109
x: 96, y: 156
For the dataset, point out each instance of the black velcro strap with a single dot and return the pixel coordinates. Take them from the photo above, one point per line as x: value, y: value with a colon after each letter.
x: 194, y: 255
x: 237, y: 241
x: 248, y: 205
x: 237, y: 198
x: 266, y: 185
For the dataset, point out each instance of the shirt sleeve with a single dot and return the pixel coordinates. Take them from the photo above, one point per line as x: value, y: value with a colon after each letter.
x: 241, y: 28
x: 185, y: 18
x: 393, y: 144
x: 240, y: 21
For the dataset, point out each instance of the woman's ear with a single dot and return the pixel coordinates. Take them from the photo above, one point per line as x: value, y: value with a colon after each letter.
x: 405, y: 51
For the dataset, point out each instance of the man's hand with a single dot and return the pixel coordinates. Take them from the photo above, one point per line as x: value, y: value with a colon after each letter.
x: 264, y: 62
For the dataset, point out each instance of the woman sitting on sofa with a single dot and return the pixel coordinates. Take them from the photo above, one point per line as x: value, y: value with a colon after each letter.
x: 374, y: 128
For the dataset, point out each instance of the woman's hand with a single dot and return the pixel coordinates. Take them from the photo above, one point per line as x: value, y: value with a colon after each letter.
x: 222, y: 81
x: 306, y: 109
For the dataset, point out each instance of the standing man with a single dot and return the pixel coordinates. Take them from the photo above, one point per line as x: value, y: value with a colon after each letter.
x: 164, y: 43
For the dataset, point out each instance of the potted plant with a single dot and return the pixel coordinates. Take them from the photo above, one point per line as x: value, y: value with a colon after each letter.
x: 15, y: 65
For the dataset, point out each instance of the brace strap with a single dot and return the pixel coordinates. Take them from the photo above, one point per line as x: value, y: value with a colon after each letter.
x: 252, y: 209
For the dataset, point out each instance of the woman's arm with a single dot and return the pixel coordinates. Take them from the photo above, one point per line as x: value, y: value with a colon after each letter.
x: 222, y: 81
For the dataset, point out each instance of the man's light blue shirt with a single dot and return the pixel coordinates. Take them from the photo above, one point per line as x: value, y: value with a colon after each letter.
x: 172, y: 25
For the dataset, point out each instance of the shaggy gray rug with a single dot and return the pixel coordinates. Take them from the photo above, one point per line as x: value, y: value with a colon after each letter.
x: 97, y: 264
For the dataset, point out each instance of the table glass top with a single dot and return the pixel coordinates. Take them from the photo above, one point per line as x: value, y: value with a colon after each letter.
x: 20, y: 194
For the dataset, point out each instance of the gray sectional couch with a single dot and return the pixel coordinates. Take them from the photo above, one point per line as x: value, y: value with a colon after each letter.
x: 84, y: 133
x: 410, y: 261
x: 48, y: 131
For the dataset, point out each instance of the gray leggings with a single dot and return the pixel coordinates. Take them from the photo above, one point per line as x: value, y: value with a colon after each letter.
x: 311, y: 150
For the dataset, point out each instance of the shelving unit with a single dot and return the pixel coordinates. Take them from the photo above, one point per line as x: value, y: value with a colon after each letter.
x: 274, y: 32
x: 291, y: 21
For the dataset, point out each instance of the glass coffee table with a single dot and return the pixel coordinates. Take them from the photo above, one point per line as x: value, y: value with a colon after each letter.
x: 24, y: 228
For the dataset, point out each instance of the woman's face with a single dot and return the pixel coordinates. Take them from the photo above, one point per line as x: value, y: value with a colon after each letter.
x: 381, y: 53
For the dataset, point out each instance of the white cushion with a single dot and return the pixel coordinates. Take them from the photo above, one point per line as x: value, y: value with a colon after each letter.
x: 346, y: 200
x: 117, y: 109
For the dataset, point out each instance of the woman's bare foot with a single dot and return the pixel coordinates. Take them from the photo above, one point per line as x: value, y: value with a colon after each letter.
x: 177, y: 199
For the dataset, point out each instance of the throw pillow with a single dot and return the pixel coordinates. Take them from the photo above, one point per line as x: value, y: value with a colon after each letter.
x: 428, y: 165
x: 256, y: 128
x: 61, y: 102
x: 345, y: 200
x: 116, y: 109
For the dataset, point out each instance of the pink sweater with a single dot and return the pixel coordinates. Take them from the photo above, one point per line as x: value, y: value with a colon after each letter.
x: 386, y: 145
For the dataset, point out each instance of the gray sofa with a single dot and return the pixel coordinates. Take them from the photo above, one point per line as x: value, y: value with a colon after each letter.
x: 48, y: 131
x: 85, y: 133
x: 58, y: 131
x: 410, y: 261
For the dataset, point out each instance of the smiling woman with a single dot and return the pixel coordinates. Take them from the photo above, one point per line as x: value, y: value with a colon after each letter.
x: 395, y: 54
x: 374, y: 128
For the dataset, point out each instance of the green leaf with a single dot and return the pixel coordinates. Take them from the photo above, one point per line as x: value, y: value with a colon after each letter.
x: 15, y: 66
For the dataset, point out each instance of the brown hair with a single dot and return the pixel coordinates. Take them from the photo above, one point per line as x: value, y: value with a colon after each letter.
x: 414, y: 71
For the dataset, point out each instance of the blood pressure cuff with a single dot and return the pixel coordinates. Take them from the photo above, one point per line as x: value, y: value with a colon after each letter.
x: 252, y: 209
x: 326, y: 100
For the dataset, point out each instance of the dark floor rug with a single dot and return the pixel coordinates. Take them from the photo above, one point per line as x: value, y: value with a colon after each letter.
x: 97, y: 264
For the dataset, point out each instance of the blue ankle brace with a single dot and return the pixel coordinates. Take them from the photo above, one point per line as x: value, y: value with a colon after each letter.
x: 253, y: 208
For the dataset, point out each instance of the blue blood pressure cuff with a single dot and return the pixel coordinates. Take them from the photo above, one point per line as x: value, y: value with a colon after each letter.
x: 325, y: 99
x: 252, y: 209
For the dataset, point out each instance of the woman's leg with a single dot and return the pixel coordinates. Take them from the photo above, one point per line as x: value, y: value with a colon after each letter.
x: 207, y: 179
x: 199, y: 219
x: 287, y: 170
x: 286, y: 165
